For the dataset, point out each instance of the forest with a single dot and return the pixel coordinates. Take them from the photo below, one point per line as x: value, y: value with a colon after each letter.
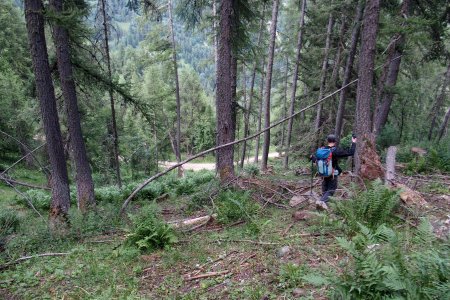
x: 224, y: 149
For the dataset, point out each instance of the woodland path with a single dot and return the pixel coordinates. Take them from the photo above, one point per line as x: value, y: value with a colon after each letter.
x: 208, y: 166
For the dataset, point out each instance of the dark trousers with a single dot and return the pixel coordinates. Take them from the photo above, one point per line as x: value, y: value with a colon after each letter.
x: 329, y: 186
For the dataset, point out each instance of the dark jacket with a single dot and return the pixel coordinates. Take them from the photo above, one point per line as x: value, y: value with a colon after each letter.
x: 337, y: 154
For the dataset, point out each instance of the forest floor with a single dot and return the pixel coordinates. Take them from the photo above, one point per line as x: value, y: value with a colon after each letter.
x: 265, y: 259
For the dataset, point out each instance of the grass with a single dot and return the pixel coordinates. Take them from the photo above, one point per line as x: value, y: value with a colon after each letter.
x: 101, y: 266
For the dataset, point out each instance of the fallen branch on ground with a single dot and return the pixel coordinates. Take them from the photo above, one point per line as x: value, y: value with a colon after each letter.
x: 15, y: 182
x: 194, y: 221
x: 19, y: 260
x: 206, y: 275
x: 247, y: 241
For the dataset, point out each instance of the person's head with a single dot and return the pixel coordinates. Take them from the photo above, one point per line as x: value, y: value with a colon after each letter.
x: 331, y: 140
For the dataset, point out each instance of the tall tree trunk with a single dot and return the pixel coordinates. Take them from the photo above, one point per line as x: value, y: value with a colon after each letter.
x: 323, y: 76
x: 388, y: 80
x: 224, y: 94
x: 283, y: 128
x: 85, y: 185
x: 246, y: 114
x: 250, y: 98
x: 177, y: 89
x: 260, y: 111
x: 60, y: 204
x: 268, y: 84
x: 294, y: 84
x: 444, y: 125
x: 111, y: 96
x: 333, y: 82
x: 216, y: 59
x: 348, y: 67
x: 367, y: 164
x: 439, y: 102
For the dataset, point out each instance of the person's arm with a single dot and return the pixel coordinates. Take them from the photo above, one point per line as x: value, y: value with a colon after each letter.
x: 345, y: 152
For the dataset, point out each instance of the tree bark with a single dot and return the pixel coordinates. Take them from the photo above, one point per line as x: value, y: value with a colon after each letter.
x: 224, y: 94
x: 333, y: 82
x: 390, y: 164
x: 283, y: 129
x: 366, y: 160
x: 177, y: 88
x: 268, y: 84
x: 111, y: 96
x: 85, y: 184
x: 323, y: 76
x: 444, y: 125
x: 260, y: 110
x: 439, y: 102
x: 348, y: 67
x: 388, y: 80
x: 60, y: 204
x: 294, y: 84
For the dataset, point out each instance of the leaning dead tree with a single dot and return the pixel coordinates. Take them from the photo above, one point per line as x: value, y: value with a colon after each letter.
x: 156, y: 176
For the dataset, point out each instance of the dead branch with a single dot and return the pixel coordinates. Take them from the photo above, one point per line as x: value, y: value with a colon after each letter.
x: 44, y: 169
x: 247, y: 258
x: 206, y: 275
x: 27, y: 199
x: 15, y: 182
x: 194, y: 221
x: 22, y: 158
x: 287, y: 229
x: 152, y: 178
x: 19, y: 260
x: 247, y: 241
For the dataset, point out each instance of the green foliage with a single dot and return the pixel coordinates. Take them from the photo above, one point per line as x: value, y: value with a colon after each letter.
x: 437, y: 158
x: 235, y: 205
x: 189, y: 184
x: 372, y: 208
x: 40, y: 199
x: 291, y: 275
x: 251, y: 169
x: 9, y: 222
x: 386, y: 265
x: 149, y: 232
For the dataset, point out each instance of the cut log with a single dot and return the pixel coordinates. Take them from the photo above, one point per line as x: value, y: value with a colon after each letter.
x: 390, y: 164
x: 194, y: 221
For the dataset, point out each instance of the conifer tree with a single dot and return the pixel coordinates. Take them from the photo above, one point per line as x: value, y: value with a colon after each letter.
x: 60, y: 203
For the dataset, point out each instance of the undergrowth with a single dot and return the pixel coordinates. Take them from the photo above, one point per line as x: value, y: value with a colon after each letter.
x: 149, y: 231
x: 386, y: 264
x: 372, y: 207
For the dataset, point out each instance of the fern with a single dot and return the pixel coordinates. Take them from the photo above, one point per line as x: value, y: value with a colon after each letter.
x: 385, y: 264
x: 371, y: 208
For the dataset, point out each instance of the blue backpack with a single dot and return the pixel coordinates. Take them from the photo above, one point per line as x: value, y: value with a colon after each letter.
x: 324, y: 161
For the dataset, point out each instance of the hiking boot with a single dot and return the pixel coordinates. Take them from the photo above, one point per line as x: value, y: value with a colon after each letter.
x: 320, y: 205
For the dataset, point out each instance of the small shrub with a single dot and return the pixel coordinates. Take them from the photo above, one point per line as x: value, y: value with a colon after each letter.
x: 149, y: 232
x: 9, y: 222
x: 40, y: 199
x: 251, y: 170
x: 235, y: 205
x: 291, y: 275
x: 108, y: 194
x: 372, y: 208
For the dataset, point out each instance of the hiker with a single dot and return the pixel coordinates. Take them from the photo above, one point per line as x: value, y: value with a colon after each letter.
x: 330, y: 175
